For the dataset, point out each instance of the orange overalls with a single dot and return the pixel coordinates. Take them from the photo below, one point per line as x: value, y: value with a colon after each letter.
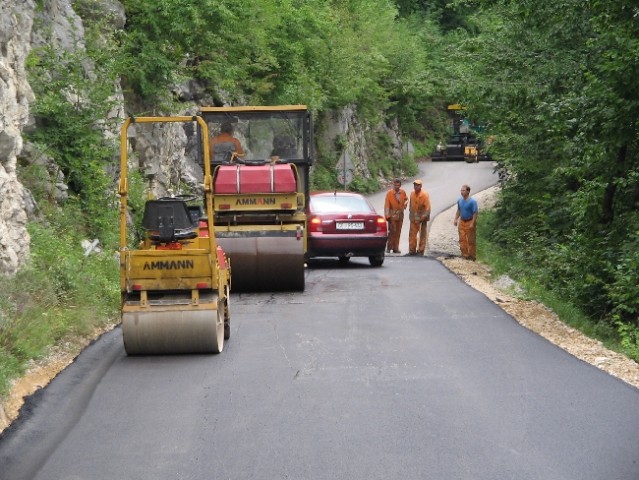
x: 468, y: 238
x: 419, y: 215
x: 466, y: 217
x: 394, y: 206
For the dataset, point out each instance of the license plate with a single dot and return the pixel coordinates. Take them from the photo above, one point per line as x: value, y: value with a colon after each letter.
x: 349, y: 225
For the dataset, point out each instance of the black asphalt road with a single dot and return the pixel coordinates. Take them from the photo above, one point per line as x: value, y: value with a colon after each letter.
x: 399, y: 372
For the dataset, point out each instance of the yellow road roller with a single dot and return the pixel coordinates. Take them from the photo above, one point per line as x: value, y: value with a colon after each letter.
x: 175, y: 282
x: 261, y: 157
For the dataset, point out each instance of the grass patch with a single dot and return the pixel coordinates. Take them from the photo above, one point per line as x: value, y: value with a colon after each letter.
x: 527, y: 275
x: 60, y: 294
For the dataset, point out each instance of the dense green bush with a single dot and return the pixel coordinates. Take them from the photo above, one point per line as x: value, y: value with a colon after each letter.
x: 553, y: 82
x: 325, y: 55
x: 74, y: 92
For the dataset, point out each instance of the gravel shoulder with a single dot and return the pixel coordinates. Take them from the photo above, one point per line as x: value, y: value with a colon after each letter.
x: 442, y: 245
x: 532, y: 315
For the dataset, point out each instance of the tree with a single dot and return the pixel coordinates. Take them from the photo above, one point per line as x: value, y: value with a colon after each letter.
x: 555, y: 81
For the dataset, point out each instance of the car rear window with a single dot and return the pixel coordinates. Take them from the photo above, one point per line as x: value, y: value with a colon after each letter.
x: 336, y: 203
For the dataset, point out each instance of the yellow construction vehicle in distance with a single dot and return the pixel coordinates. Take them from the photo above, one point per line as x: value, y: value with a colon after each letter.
x: 463, y: 142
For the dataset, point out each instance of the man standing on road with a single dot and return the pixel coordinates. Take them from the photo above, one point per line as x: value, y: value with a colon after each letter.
x: 466, y: 220
x: 419, y: 215
x: 394, y: 206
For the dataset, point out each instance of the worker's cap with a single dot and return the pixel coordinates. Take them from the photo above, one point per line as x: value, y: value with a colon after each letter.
x: 417, y: 182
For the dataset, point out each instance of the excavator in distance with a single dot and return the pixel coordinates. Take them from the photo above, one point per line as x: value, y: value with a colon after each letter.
x: 175, y: 283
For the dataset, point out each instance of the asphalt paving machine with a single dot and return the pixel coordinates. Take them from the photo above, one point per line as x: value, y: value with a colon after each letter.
x: 175, y: 282
x: 261, y: 192
x: 463, y: 143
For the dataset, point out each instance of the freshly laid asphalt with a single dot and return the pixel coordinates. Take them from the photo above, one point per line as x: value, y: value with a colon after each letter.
x: 398, y: 372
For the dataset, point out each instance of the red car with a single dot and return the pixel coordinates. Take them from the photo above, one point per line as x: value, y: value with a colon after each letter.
x: 345, y: 225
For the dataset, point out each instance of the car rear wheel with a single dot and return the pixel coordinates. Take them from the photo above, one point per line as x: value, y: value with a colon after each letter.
x: 376, y: 260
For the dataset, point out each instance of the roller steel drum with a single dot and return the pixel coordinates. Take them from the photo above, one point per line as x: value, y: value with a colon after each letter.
x: 264, y: 261
x: 168, y: 330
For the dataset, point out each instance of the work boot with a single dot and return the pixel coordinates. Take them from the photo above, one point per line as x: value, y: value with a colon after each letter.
x: 388, y: 250
x: 398, y: 251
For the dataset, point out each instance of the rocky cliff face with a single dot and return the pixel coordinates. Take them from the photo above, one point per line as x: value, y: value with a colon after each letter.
x: 24, y: 25
x: 16, y: 22
x: 351, y: 139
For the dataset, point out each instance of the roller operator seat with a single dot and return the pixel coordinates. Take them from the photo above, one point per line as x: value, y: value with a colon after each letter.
x: 168, y: 220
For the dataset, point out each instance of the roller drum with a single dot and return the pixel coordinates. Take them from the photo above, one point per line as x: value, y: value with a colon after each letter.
x: 158, y: 332
x: 265, y: 263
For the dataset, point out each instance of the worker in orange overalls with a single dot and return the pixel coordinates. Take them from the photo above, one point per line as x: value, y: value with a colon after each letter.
x: 466, y: 222
x: 225, y: 146
x: 394, y: 205
x: 419, y: 215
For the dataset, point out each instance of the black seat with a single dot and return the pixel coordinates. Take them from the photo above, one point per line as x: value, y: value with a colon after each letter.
x: 223, y: 152
x: 168, y: 220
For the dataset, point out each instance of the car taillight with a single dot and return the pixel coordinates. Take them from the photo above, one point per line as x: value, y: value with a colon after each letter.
x: 315, y: 225
x: 381, y: 224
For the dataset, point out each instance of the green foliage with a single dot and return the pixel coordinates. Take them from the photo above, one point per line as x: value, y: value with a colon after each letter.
x: 57, y: 253
x: 363, y: 185
x: 36, y: 179
x: 448, y: 15
x: 623, y: 289
x: 72, y: 106
x: 554, y: 82
x: 629, y: 339
x: 323, y: 178
x: 533, y: 276
x: 326, y: 55
x: 136, y: 200
x: 59, y: 293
